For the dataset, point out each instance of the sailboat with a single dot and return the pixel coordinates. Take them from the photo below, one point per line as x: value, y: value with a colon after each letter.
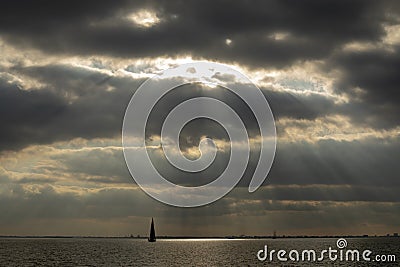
x: 152, y: 237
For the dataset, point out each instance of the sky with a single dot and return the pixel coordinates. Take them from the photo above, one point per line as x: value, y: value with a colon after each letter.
x: 329, y: 70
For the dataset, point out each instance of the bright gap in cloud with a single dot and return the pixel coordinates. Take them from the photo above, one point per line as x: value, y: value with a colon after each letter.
x: 392, y: 35
x: 144, y: 18
x: 304, y: 78
x: 279, y: 36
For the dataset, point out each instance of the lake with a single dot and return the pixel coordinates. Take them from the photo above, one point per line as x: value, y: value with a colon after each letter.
x: 183, y: 252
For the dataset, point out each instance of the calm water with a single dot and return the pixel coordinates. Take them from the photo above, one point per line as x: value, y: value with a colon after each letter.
x: 133, y: 252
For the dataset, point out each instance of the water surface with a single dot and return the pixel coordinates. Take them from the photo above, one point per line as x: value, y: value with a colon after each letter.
x: 138, y: 252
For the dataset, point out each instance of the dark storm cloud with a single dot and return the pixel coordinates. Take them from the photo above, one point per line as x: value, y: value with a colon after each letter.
x: 300, y: 106
x: 75, y: 102
x: 315, y: 28
x: 376, y: 71
x: 80, y: 102
x: 372, y: 78
x: 25, y: 114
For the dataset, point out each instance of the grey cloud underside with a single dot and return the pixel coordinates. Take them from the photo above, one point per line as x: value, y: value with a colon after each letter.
x: 46, y: 115
x: 77, y: 102
x: 316, y: 31
x: 376, y: 73
x: 316, y: 28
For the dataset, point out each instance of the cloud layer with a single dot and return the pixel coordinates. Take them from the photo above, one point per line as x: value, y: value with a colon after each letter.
x: 329, y: 71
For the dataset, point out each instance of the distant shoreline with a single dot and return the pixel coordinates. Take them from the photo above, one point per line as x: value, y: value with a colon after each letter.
x: 197, y: 237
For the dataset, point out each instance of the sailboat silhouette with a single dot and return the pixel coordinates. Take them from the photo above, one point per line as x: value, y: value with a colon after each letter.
x: 152, y: 237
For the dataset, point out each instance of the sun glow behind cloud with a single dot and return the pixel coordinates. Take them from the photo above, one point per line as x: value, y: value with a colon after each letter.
x: 144, y: 18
